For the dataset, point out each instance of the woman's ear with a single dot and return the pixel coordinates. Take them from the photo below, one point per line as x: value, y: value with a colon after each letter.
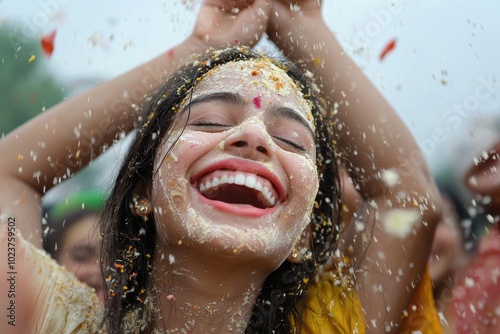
x: 302, y: 247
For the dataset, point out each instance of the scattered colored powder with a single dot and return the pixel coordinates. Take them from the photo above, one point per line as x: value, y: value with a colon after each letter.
x: 47, y: 43
x: 388, y: 48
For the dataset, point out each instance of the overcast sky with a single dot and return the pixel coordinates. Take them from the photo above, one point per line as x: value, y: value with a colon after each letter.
x: 441, y: 77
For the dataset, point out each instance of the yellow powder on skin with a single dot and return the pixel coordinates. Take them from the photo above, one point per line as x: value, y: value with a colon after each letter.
x: 262, y: 73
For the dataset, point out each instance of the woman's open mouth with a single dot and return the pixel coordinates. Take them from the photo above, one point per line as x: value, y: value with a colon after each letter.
x: 235, y: 187
x: 239, y: 187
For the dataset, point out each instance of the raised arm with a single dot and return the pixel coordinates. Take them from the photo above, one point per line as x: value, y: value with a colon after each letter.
x: 382, y: 158
x: 62, y: 140
x: 59, y: 142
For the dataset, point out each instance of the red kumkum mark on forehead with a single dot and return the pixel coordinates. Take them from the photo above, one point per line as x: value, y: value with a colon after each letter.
x: 257, y: 101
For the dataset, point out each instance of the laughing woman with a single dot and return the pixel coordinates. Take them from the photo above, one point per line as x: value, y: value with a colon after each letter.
x: 227, y: 205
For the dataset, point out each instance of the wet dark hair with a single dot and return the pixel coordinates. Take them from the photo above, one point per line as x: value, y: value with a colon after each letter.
x: 129, y: 244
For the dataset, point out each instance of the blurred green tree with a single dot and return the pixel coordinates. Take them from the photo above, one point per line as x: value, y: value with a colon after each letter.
x: 26, y: 87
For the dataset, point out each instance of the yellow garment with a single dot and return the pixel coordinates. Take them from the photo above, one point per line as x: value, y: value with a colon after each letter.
x: 333, y: 306
x: 422, y: 313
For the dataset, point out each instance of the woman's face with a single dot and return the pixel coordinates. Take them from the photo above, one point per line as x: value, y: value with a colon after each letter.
x: 79, y: 252
x: 242, y: 178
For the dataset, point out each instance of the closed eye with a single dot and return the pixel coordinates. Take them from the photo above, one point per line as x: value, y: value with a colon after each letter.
x: 203, y: 123
x: 292, y: 144
x: 209, y: 126
x: 83, y: 253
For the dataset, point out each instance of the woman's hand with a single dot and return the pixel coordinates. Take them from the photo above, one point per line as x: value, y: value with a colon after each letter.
x: 290, y: 19
x: 297, y: 27
x: 292, y: 7
x: 222, y: 23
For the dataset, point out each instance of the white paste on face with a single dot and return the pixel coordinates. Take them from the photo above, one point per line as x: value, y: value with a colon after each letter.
x: 265, y: 78
x: 273, y: 235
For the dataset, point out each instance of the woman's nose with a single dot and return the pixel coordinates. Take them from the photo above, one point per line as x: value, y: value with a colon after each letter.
x: 249, y: 141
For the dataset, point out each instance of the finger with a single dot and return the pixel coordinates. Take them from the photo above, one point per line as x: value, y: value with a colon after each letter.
x: 230, y: 6
x: 253, y: 21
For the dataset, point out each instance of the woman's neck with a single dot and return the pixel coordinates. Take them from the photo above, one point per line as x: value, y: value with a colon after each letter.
x: 203, y: 294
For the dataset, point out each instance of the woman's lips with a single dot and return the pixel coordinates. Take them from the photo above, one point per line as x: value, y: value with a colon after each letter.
x: 240, y: 187
x: 484, y: 176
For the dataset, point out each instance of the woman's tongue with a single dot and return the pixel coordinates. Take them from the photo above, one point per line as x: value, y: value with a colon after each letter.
x: 235, y: 194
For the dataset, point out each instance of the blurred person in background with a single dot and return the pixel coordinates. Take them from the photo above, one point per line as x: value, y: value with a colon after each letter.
x: 453, y: 249
x: 71, y: 235
x: 472, y: 304
x: 477, y: 298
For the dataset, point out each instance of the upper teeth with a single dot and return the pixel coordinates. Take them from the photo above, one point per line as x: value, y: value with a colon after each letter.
x: 248, y: 180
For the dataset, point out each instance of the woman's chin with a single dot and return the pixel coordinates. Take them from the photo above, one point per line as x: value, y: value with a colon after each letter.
x: 235, y: 241
x: 225, y: 234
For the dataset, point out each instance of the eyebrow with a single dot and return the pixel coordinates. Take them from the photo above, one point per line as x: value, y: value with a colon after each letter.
x: 293, y: 115
x: 228, y: 97
x: 238, y: 100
